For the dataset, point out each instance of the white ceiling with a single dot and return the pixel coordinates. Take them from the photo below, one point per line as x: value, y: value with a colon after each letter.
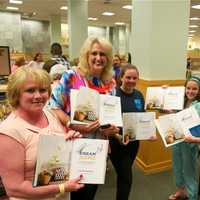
x: 45, y: 8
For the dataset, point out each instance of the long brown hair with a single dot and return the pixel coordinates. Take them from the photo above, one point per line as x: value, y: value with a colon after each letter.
x: 124, y: 68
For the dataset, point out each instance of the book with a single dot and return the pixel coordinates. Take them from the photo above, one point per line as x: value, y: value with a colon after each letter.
x: 138, y: 126
x: 173, y: 127
x: 87, y: 105
x: 59, y: 160
x: 169, y: 98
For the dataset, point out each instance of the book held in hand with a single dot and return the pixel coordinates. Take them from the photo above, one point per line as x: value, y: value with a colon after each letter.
x: 169, y: 98
x: 59, y: 160
x: 138, y: 126
x: 87, y: 105
x: 173, y: 127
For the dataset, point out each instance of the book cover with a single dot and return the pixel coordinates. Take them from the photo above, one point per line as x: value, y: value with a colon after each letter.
x: 195, y: 131
x: 89, y: 159
x: 170, y: 98
x: 59, y: 160
x: 138, y: 126
x: 87, y: 105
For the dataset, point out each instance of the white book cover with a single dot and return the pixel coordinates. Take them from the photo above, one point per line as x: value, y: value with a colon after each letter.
x: 87, y: 105
x: 188, y: 118
x: 59, y: 160
x: 138, y: 126
x: 89, y: 159
x: 169, y: 98
x: 170, y: 131
x: 53, y: 160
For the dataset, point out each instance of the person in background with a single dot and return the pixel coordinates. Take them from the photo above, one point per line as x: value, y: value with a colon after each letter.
x: 28, y: 91
x: 185, y: 154
x: 37, y: 61
x: 122, y: 156
x: 20, y: 61
x: 116, y: 67
x: 57, y: 58
x: 93, y: 70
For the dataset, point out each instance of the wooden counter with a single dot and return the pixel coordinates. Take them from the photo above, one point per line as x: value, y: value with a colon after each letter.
x: 153, y: 156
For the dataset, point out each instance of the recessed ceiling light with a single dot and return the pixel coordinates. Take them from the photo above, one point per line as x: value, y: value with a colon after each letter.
x: 16, y: 1
x: 195, y: 18
x: 192, y: 31
x: 119, y: 23
x: 12, y: 8
x: 193, y: 26
x: 190, y: 35
x: 108, y: 13
x: 92, y: 18
x: 64, y: 8
x: 129, y: 7
x: 196, y: 6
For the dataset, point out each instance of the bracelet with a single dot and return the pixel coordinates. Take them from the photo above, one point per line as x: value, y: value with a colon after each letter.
x: 61, y: 188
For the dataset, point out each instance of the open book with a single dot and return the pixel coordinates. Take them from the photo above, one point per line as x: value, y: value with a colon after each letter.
x: 87, y: 105
x: 173, y: 127
x: 138, y: 126
x: 170, y: 98
x: 59, y: 160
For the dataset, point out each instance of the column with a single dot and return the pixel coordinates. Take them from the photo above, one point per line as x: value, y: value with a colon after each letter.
x: 55, y: 28
x: 159, y: 47
x: 78, y: 26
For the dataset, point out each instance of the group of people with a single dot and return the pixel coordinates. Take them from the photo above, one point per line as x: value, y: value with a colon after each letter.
x: 38, y: 110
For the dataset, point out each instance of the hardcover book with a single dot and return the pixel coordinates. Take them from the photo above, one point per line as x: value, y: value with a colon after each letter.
x: 59, y: 160
x: 87, y: 105
x: 138, y: 126
x: 173, y: 127
x: 170, y: 98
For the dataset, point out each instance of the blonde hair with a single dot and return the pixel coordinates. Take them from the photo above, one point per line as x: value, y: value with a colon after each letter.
x: 17, y: 81
x: 84, y: 53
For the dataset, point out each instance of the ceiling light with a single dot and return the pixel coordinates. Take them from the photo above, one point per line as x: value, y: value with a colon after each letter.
x: 92, y: 18
x: 64, y: 8
x: 12, y: 8
x: 192, y: 31
x: 16, y: 1
x: 195, y: 18
x: 108, y: 13
x: 190, y: 35
x: 129, y: 7
x: 196, y: 6
x: 193, y: 26
x: 119, y: 23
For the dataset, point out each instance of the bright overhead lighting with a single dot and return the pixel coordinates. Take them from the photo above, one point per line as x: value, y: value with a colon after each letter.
x: 196, y: 6
x: 92, y: 18
x: 195, y: 18
x: 193, y: 26
x: 64, y: 8
x: 119, y: 23
x: 192, y: 31
x: 108, y: 13
x: 129, y: 7
x: 190, y: 35
x: 16, y: 1
x: 12, y: 8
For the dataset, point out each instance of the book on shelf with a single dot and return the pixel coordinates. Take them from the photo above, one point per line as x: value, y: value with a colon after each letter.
x: 87, y: 105
x: 173, y: 127
x: 169, y: 98
x: 59, y: 160
x: 138, y: 126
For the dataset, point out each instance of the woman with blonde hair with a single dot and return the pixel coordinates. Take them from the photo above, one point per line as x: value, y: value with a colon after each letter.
x: 93, y: 70
x: 28, y: 91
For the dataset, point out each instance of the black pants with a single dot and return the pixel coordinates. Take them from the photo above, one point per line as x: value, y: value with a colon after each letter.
x: 86, y: 193
x: 122, y: 158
